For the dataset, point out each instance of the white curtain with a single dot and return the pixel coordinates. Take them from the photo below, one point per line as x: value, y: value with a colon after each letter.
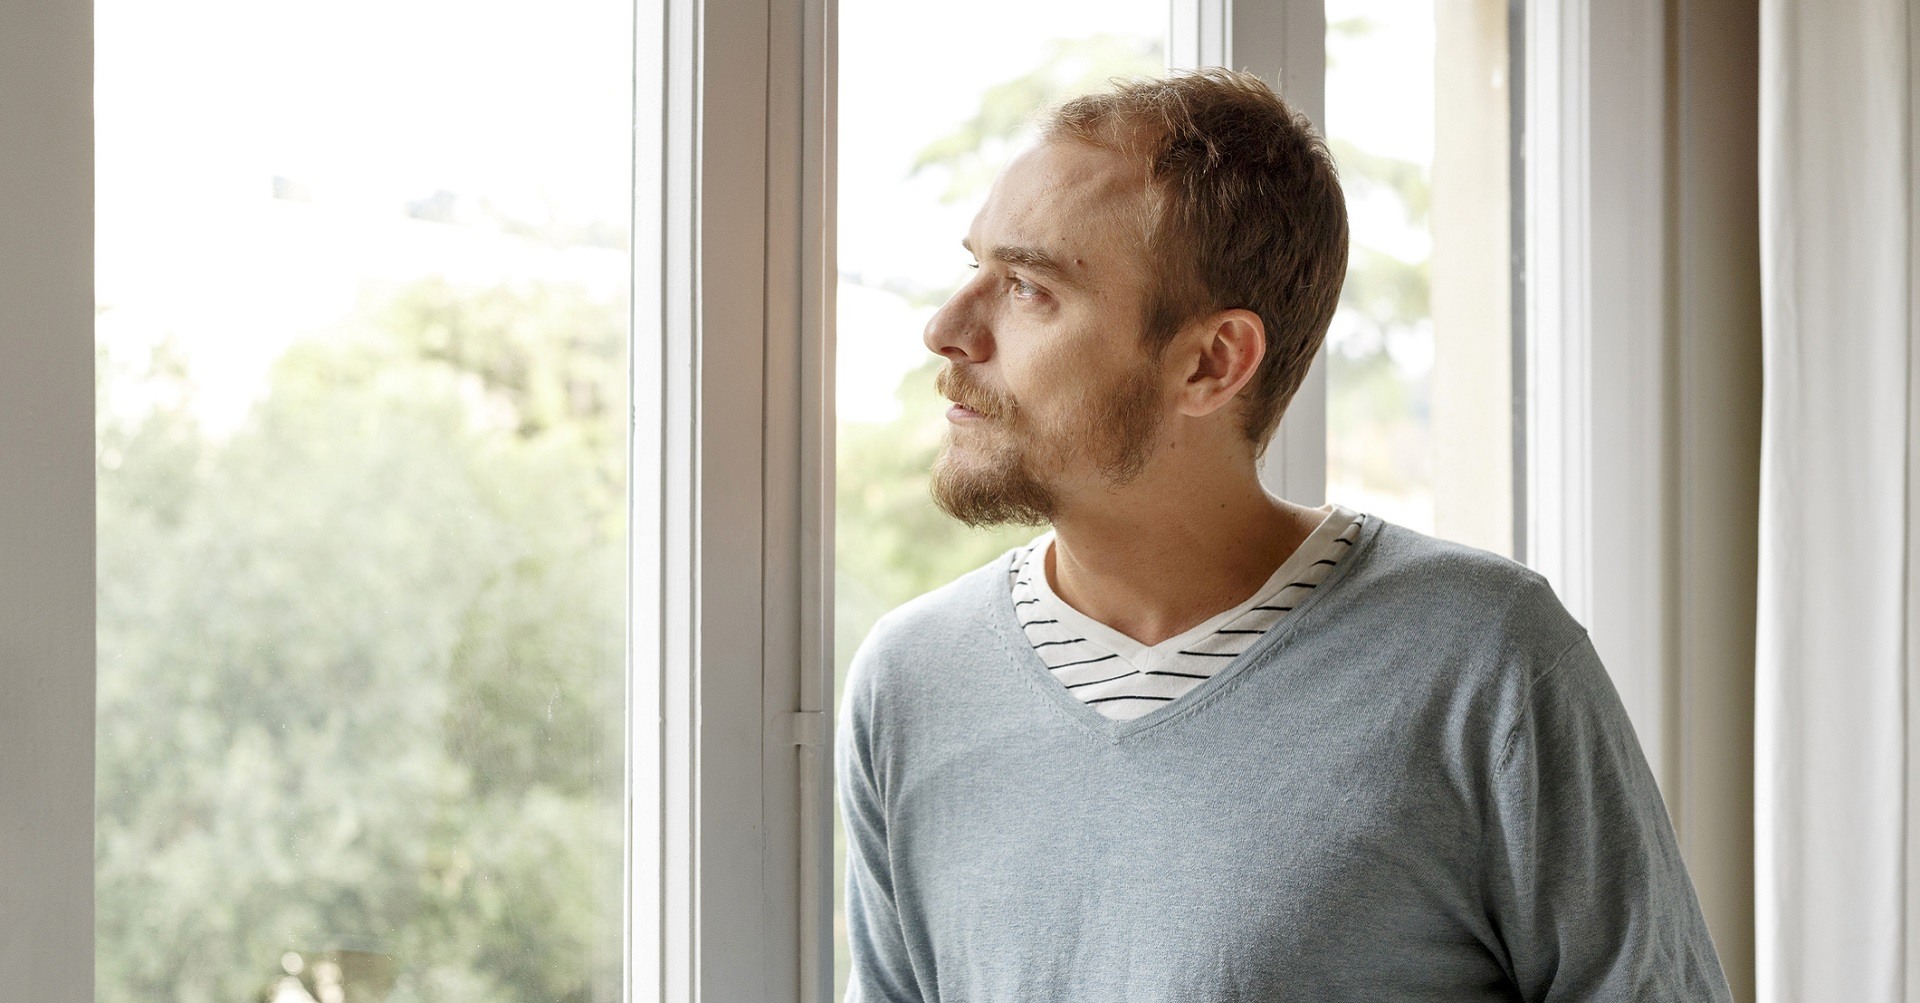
x: 1835, y: 733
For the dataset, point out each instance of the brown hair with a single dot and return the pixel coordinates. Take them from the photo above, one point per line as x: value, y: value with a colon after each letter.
x: 1243, y: 210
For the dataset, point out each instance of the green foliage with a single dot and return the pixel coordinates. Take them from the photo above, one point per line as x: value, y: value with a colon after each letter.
x: 360, y: 662
x: 1362, y: 170
x: 1385, y: 292
x: 1359, y: 26
x: 1382, y: 417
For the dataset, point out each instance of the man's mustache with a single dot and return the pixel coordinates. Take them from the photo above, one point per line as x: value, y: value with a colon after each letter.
x: 959, y: 386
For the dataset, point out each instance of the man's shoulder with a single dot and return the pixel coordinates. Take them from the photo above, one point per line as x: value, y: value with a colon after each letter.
x: 1435, y: 583
x: 954, y: 617
x: 1459, y: 631
x: 961, y: 604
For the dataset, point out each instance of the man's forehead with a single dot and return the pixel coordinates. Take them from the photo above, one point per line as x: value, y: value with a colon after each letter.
x: 1074, y: 203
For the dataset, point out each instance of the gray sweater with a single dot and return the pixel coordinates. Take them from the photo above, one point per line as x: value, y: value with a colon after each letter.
x: 1420, y: 786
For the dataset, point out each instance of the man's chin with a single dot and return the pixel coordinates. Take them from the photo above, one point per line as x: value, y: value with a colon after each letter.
x: 987, y: 494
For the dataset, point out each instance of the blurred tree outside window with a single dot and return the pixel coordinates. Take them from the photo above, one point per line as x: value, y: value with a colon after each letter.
x: 362, y: 407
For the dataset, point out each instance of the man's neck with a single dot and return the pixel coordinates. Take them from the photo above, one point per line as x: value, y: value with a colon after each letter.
x: 1166, y: 561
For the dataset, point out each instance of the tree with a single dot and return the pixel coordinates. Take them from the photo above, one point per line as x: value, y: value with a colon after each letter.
x: 361, y: 661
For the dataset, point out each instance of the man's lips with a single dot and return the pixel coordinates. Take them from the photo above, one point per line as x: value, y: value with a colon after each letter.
x: 961, y: 412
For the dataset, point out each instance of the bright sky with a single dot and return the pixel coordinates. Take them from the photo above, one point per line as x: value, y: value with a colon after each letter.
x: 366, y: 105
x: 1380, y: 91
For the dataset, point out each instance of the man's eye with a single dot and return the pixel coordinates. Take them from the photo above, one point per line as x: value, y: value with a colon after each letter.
x: 1015, y: 284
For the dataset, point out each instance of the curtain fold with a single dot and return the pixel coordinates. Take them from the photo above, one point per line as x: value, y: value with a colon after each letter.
x: 1833, y: 731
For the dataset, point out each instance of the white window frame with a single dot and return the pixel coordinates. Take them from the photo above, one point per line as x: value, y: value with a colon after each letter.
x: 1597, y: 323
x: 730, y: 824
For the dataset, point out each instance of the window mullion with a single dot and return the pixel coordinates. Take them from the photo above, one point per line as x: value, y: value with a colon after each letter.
x: 1596, y: 326
x: 728, y: 838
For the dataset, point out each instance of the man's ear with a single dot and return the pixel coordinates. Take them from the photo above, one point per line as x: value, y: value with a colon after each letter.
x: 1218, y: 354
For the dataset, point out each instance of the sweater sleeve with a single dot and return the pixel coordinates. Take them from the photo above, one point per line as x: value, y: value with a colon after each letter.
x: 882, y: 967
x: 1586, y: 887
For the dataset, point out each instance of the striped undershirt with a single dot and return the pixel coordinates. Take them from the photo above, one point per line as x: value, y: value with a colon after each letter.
x: 1124, y: 679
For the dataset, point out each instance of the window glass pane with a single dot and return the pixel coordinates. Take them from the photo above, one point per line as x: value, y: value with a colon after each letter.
x: 1419, y: 379
x: 362, y: 336
x: 923, y: 130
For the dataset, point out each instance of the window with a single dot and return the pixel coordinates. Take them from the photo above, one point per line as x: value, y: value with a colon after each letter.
x: 725, y: 835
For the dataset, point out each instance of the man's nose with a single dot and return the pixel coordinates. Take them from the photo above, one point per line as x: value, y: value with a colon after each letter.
x: 956, y: 332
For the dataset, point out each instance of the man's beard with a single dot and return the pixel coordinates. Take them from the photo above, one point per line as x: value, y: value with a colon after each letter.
x: 1009, y: 484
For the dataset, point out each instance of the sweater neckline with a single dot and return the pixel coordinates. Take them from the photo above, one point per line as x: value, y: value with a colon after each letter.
x: 1335, y: 520
x: 1033, y: 670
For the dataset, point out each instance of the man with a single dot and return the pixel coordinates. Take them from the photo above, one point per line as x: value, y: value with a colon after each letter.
x: 1197, y: 742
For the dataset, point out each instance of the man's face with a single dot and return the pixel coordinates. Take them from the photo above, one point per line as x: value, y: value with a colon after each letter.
x: 1055, y: 396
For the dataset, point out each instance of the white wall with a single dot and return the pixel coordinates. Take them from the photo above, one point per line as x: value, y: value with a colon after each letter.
x: 46, y: 501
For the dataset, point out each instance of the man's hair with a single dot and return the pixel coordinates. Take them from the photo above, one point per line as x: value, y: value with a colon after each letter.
x: 1243, y: 210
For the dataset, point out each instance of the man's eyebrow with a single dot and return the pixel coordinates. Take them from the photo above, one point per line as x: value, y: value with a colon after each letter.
x: 1029, y: 257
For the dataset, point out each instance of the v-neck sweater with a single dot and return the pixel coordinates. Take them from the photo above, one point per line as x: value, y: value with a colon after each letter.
x: 1419, y: 786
